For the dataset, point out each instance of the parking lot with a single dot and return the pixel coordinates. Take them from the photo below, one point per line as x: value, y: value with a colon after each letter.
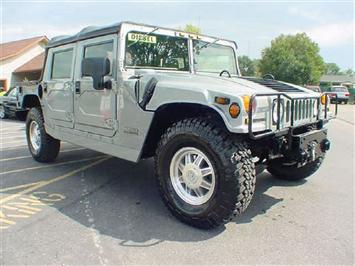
x: 89, y: 208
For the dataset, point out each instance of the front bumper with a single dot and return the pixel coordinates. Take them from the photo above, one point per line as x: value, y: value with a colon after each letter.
x: 309, y: 146
x: 298, y: 109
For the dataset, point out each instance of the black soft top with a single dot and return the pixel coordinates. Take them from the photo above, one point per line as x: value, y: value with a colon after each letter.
x: 94, y: 31
x: 86, y: 33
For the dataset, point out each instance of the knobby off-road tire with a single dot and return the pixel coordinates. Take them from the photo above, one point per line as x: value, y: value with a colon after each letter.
x: 42, y: 146
x: 230, y: 158
x: 280, y: 170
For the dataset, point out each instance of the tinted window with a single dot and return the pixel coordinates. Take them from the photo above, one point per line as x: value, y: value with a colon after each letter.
x: 156, y: 51
x: 100, y: 50
x: 62, y: 64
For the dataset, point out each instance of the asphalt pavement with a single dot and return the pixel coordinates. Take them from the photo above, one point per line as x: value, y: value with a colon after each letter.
x: 89, y: 208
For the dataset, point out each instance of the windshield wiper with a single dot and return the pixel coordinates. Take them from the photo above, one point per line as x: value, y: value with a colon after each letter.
x: 208, y: 44
x: 155, y: 29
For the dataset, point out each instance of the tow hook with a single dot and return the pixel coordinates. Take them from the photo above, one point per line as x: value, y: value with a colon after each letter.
x: 312, y: 151
x: 325, y: 145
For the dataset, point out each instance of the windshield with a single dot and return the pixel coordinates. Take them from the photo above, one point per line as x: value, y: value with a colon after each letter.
x: 156, y: 51
x: 340, y: 89
x: 213, y: 58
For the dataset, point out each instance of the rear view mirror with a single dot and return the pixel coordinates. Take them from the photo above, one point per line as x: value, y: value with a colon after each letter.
x: 97, y: 68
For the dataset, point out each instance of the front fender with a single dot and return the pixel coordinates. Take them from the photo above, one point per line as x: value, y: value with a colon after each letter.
x: 164, y: 95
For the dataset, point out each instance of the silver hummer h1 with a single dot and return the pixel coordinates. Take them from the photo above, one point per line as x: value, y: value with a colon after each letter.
x: 135, y: 91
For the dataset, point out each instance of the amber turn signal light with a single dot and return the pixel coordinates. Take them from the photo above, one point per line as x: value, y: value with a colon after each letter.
x: 234, y: 110
x: 323, y: 99
x: 222, y: 100
x: 246, y: 101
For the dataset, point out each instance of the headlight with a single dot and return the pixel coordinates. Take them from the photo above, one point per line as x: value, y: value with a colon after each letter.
x: 275, y: 117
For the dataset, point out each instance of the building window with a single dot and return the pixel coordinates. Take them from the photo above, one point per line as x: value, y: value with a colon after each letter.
x: 62, y: 64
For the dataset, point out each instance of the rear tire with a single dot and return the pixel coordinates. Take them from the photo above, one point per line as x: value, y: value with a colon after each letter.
x: 42, y: 146
x: 232, y: 179
x: 291, y: 172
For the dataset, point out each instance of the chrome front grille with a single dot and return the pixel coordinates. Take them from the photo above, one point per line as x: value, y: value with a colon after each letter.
x: 291, y: 113
x: 303, y: 110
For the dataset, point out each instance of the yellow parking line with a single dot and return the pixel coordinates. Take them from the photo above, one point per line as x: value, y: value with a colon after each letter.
x: 33, y: 209
x: 20, y: 186
x: 17, y: 216
x: 12, y: 148
x: 56, y: 179
x: 15, y: 141
x: 51, y: 165
x: 13, y: 137
x: 12, y: 131
x: 7, y: 221
x: 13, y: 127
x: 18, y: 146
x: 29, y: 156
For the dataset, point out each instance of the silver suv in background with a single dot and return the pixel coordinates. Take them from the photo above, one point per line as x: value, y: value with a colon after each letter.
x: 339, y: 94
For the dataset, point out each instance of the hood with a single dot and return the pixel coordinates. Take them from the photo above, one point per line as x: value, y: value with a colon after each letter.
x: 232, y: 86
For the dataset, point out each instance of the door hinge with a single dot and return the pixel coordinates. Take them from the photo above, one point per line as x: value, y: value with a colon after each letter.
x: 77, y: 87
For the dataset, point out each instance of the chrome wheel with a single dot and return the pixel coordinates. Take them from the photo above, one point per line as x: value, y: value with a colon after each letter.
x: 192, y: 176
x: 2, y: 112
x: 35, y: 135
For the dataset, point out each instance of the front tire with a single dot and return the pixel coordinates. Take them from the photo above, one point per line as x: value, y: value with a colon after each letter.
x: 205, y: 177
x: 281, y: 170
x: 42, y: 146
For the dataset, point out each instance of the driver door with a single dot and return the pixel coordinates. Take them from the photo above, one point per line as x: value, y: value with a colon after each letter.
x: 95, y: 110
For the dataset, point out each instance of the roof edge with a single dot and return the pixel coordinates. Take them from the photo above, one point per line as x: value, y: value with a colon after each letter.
x: 93, y: 31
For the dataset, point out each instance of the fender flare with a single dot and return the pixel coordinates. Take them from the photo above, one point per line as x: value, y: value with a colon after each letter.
x: 30, y: 100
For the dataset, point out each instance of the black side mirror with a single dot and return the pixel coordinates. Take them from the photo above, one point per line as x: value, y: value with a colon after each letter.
x: 97, y: 68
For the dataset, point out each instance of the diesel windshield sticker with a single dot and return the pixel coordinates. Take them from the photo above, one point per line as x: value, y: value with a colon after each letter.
x: 137, y: 37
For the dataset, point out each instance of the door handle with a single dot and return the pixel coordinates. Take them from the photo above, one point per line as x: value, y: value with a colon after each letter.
x: 77, y: 87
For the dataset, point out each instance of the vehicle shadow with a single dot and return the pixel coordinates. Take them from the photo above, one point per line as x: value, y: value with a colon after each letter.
x: 262, y: 201
x: 119, y: 199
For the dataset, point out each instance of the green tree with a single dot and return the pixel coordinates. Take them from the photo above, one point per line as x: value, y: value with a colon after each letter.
x: 349, y: 72
x: 331, y: 69
x: 246, y: 65
x: 293, y: 58
x: 190, y: 28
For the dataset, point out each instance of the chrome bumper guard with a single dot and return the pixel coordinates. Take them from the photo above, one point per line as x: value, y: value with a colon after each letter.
x: 288, y: 129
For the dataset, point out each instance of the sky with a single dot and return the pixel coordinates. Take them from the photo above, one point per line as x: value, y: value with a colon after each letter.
x: 252, y: 24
